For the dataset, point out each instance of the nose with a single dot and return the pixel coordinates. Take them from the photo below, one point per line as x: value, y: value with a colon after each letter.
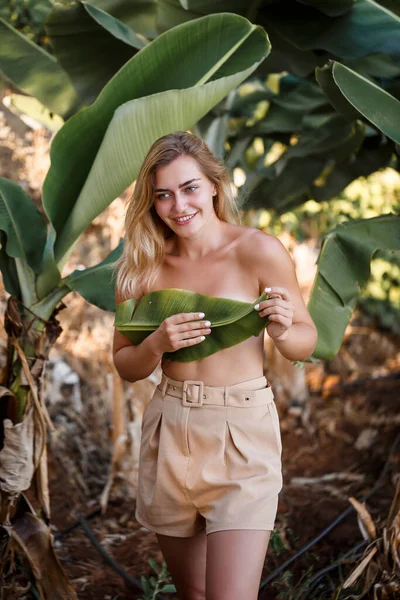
x: 180, y: 203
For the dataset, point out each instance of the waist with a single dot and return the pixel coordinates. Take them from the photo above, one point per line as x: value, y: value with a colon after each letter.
x: 193, y: 393
x: 237, y: 363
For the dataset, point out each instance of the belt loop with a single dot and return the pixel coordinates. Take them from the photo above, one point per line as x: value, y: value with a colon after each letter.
x: 164, y: 384
x: 225, y: 395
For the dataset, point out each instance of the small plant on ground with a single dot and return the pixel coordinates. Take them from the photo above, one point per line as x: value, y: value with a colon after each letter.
x: 152, y: 586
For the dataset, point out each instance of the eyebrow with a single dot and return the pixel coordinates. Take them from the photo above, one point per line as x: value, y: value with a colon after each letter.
x: 181, y: 185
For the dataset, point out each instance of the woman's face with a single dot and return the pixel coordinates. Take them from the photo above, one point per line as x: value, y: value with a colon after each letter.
x: 182, y: 190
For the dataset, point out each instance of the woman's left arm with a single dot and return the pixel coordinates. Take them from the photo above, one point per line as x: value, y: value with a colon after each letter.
x: 291, y: 327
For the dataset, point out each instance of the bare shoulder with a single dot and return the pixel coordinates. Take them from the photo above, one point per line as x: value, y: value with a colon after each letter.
x: 257, y: 246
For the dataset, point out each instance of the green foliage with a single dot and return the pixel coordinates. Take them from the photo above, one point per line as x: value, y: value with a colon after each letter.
x: 276, y: 543
x: 232, y: 321
x: 28, y: 16
x: 152, y: 585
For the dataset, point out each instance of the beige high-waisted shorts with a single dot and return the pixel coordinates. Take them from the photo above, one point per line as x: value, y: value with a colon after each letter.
x: 210, y: 458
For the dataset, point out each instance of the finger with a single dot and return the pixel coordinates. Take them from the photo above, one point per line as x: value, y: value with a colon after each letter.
x: 192, y: 341
x: 192, y: 326
x: 185, y: 317
x: 281, y: 319
x: 277, y: 301
x: 186, y: 335
x: 278, y: 290
x: 281, y: 310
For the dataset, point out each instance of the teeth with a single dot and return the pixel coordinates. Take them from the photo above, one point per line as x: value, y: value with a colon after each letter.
x: 185, y: 218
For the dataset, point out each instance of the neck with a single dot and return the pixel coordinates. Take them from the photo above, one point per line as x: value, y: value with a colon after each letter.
x: 208, y: 238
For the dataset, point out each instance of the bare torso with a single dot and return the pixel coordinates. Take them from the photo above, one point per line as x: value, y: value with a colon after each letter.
x: 225, y: 272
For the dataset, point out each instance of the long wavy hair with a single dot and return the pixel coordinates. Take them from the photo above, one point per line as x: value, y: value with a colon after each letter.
x: 145, y: 233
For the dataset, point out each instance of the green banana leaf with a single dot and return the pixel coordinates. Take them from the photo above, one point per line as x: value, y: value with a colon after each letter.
x: 36, y: 72
x: 344, y: 29
x: 31, y: 107
x: 356, y: 97
x: 139, y: 15
x: 232, y: 321
x: 372, y: 156
x: 95, y: 284
x: 16, y: 210
x: 333, y: 8
x: 290, y: 180
x: 90, y: 45
x: 8, y: 269
x: 330, y: 7
x: 366, y: 28
x: 343, y: 271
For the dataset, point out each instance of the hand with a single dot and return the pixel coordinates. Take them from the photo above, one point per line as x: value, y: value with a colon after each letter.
x: 279, y: 309
x: 181, y: 330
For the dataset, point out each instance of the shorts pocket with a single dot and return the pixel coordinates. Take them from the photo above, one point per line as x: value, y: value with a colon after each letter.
x: 151, y: 426
x: 149, y: 453
x: 275, y: 422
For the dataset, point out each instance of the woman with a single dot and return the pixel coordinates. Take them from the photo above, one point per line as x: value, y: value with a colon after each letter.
x: 210, y: 468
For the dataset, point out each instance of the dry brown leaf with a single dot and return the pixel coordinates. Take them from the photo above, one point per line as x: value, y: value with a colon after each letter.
x: 395, y: 506
x: 16, y: 456
x: 358, y: 570
x: 366, y: 520
x: 32, y: 536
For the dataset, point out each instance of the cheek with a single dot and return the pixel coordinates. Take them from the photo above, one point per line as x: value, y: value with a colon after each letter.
x: 160, y: 208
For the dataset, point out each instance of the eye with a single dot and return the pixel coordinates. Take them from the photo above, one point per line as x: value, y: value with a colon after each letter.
x: 192, y: 187
x: 162, y: 196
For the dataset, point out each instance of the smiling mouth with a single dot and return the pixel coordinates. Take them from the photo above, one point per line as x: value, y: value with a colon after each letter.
x: 185, y: 219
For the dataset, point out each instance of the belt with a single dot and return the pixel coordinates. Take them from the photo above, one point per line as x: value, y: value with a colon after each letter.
x: 195, y: 394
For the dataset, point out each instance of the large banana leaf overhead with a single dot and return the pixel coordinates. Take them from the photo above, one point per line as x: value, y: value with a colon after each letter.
x: 303, y: 33
x: 36, y: 72
x: 90, y: 45
x: 139, y: 15
x: 168, y: 85
x: 356, y: 97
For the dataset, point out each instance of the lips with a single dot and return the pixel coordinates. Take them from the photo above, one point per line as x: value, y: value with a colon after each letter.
x: 186, y: 221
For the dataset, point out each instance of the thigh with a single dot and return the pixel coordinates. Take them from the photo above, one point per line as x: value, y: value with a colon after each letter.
x: 186, y: 562
x: 235, y: 561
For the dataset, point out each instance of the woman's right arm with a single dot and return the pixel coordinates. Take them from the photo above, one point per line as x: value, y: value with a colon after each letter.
x: 138, y: 361
x: 135, y: 361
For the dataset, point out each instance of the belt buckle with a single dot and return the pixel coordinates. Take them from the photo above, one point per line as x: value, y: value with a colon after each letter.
x: 199, y: 401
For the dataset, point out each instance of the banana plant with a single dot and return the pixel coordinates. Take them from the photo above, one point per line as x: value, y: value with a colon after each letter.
x: 94, y: 157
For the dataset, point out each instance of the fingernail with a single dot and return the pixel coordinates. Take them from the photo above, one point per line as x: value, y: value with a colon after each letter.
x: 257, y: 306
x: 207, y: 323
x: 268, y: 289
x: 201, y: 315
x: 202, y: 338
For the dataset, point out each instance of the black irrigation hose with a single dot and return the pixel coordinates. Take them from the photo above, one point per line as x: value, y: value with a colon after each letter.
x: 320, y: 574
x: 340, y: 518
x: 135, y: 583
x: 60, y: 534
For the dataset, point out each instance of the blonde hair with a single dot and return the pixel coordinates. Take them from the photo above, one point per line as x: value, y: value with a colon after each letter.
x: 145, y: 232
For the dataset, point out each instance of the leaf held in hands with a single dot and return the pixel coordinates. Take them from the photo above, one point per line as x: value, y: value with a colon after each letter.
x: 232, y: 321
